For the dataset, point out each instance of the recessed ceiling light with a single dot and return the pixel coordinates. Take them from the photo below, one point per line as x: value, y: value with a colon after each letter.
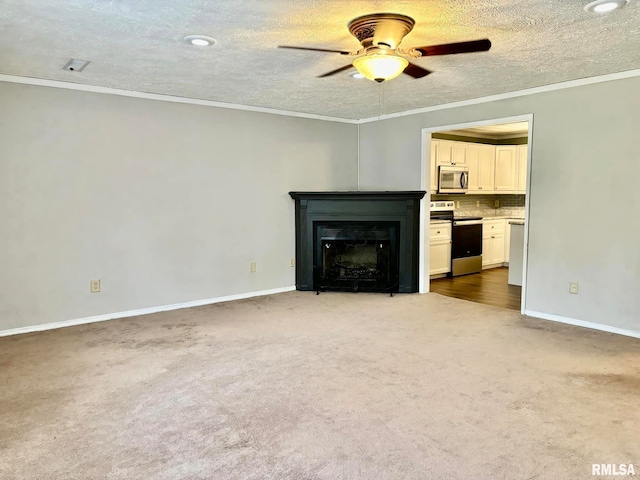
x: 357, y: 75
x: 604, y: 6
x: 199, y: 40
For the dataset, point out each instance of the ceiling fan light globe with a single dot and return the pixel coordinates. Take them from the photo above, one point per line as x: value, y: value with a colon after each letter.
x: 380, y: 67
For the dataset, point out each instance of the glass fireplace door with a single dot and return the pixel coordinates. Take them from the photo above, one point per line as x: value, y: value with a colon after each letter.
x: 356, y: 256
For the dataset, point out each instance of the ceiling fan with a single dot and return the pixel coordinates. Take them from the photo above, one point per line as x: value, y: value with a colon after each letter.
x: 381, y: 58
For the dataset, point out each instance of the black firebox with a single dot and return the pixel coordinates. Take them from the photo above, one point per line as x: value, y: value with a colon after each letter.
x: 356, y: 256
x: 357, y: 241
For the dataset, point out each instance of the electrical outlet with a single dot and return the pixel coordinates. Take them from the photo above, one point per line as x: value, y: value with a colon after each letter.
x: 292, y: 262
x: 497, y: 203
x: 478, y: 203
x: 573, y: 287
x: 95, y: 286
x: 458, y: 204
x: 252, y: 267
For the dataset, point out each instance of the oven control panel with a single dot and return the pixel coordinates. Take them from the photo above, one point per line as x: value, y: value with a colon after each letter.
x: 442, y: 206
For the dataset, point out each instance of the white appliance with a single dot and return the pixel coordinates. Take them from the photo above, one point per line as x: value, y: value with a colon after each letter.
x: 453, y: 179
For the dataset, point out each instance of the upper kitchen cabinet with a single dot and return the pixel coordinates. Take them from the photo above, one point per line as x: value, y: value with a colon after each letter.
x: 450, y: 153
x: 481, y: 163
x: 434, y: 166
x: 521, y: 169
x: 492, y: 169
x: 505, y: 168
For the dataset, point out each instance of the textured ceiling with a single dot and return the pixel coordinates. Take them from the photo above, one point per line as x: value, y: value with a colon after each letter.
x: 136, y: 45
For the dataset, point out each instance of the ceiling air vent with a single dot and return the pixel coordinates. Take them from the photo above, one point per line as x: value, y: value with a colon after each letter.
x: 75, y: 65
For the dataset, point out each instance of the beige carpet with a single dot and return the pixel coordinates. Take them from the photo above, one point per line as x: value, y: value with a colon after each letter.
x: 336, y: 386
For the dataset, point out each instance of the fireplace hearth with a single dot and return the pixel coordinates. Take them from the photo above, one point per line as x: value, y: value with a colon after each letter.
x: 357, y: 241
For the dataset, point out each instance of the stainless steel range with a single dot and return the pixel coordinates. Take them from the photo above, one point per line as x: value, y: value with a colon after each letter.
x: 466, y: 238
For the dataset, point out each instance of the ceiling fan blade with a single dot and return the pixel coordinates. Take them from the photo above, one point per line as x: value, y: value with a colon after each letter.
x: 451, y: 48
x: 337, y: 70
x: 415, y: 71
x: 341, y: 52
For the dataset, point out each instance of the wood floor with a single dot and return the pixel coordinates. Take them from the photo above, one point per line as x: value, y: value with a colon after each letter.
x: 489, y: 287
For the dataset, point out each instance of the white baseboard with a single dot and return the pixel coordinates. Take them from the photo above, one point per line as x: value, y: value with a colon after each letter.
x: 142, y: 311
x: 582, y: 323
x: 491, y: 265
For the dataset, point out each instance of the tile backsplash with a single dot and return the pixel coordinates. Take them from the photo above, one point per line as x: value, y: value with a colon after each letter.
x: 484, y: 205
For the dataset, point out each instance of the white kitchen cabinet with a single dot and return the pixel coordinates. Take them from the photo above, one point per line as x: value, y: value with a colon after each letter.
x: 434, y: 166
x: 481, y: 163
x: 493, y: 242
x: 439, y: 248
x: 450, y: 153
x: 443, y: 152
x: 492, y: 169
x: 497, y: 249
x: 459, y: 153
x: 521, y: 169
x: 505, y: 168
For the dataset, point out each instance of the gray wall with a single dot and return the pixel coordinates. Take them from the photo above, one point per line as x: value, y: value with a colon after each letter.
x: 585, y: 196
x: 164, y: 202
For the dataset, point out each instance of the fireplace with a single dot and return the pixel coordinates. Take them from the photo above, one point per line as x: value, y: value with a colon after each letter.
x: 357, y: 241
x: 356, y: 256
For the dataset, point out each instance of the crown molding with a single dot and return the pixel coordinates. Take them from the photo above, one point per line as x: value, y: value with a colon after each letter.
x: 164, y: 98
x: 210, y: 103
x: 503, y: 96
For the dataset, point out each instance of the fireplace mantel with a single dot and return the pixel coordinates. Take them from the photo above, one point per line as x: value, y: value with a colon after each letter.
x: 315, y: 208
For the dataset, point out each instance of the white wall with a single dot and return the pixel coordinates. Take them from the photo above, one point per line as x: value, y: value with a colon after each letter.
x: 164, y: 202
x: 585, y: 192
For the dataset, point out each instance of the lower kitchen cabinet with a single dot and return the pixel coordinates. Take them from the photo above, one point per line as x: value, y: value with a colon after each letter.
x: 440, y: 258
x: 440, y: 248
x: 493, y: 242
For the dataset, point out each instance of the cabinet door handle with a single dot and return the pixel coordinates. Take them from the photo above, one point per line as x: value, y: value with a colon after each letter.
x: 438, y: 231
x: 492, y: 236
x: 479, y: 188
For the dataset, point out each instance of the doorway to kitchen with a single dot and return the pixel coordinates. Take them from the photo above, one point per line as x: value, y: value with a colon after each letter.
x: 475, y: 224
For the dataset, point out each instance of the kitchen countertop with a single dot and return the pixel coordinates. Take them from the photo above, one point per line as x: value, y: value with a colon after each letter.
x: 494, y: 217
x: 516, y: 222
x: 499, y: 217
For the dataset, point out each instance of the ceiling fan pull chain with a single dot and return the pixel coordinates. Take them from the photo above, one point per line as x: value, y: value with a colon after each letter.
x: 380, y: 99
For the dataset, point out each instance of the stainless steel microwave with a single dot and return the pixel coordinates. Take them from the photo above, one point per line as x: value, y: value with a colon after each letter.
x: 453, y: 179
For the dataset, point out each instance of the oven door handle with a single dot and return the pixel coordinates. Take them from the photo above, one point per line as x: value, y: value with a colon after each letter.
x: 463, y: 223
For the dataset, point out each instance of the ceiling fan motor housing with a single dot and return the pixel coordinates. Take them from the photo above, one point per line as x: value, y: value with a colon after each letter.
x: 381, y: 30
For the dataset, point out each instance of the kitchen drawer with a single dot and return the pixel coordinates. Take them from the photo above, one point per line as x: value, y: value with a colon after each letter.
x: 440, y: 232
x: 493, y: 227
